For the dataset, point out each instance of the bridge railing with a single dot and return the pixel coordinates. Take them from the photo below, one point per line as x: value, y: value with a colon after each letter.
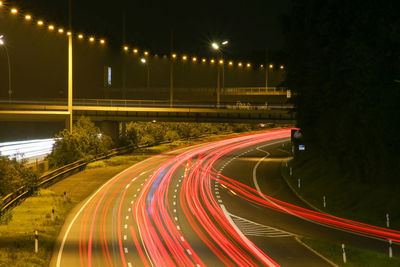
x: 256, y: 90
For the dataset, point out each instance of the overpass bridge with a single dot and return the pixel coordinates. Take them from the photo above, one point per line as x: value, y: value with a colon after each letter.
x: 109, y: 113
x: 129, y: 110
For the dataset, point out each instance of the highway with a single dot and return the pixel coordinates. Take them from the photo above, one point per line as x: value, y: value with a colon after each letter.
x: 217, y: 203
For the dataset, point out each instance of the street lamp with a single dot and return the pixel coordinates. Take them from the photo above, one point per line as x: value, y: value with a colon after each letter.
x: 217, y: 47
x: 145, y: 62
x: 2, y: 43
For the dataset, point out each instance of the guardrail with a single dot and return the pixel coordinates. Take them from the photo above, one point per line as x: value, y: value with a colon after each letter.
x: 54, y: 176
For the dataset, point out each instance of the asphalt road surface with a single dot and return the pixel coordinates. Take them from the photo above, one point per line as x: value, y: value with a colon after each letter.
x: 218, y: 203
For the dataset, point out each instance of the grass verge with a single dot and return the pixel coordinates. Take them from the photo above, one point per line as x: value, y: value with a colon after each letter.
x: 347, y: 198
x: 355, y: 257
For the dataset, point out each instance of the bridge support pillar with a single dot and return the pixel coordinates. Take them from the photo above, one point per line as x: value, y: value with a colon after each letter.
x: 111, y: 129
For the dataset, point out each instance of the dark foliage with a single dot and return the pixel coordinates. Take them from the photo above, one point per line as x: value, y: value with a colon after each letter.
x: 344, y: 68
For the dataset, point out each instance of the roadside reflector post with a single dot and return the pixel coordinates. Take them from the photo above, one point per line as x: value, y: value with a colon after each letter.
x: 298, y: 182
x: 36, y: 241
x: 291, y: 171
x: 324, y: 201
x: 390, y: 249
x: 387, y: 220
x: 344, y: 254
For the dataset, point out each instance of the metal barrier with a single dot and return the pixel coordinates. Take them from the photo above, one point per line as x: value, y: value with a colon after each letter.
x: 54, y: 176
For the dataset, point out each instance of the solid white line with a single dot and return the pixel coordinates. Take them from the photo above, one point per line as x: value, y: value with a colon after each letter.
x: 60, y: 251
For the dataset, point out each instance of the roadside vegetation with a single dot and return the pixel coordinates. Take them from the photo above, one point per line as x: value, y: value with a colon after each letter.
x: 13, y: 175
x: 85, y: 142
x: 346, y: 93
x: 354, y: 257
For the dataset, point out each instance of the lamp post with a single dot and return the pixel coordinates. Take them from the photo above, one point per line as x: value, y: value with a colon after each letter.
x: 2, y: 43
x: 217, y: 47
x: 70, y: 68
x: 145, y: 62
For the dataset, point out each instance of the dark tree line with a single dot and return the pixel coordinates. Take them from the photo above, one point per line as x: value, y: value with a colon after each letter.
x: 343, y: 63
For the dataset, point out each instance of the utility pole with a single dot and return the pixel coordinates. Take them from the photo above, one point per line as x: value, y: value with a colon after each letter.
x: 266, y: 69
x: 124, y: 54
x: 70, y: 69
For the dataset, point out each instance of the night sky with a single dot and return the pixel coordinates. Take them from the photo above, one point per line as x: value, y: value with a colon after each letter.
x: 250, y: 26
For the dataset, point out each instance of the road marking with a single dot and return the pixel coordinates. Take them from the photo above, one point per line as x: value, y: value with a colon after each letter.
x: 178, y: 227
x: 245, y: 239
x: 129, y: 264
x: 176, y: 218
x: 128, y: 185
x: 126, y: 226
x: 175, y: 210
x: 61, y: 249
x: 189, y: 252
x: 129, y: 210
x: 183, y: 239
x: 132, y: 202
x: 125, y: 237
x: 126, y: 250
x: 127, y: 217
x: 174, y: 203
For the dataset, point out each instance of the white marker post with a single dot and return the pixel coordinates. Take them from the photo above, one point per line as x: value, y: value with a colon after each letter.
x: 387, y: 220
x: 36, y: 241
x: 344, y: 254
x: 52, y: 214
x: 390, y: 249
x: 291, y: 171
x: 298, y: 182
x: 324, y: 200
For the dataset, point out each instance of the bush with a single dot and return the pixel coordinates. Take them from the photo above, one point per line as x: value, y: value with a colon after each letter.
x: 13, y: 175
x: 84, y: 142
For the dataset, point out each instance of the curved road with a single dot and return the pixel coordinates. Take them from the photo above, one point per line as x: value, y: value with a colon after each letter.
x: 218, y: 203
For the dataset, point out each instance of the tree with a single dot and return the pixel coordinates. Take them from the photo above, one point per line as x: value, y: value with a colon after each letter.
x: 85, y: 142
x: 343, y: 63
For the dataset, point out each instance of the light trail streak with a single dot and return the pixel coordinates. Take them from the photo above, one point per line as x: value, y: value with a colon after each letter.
x: 156, y: 231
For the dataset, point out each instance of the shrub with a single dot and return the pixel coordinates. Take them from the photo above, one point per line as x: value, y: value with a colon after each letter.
x: 84, y: 142
x: 13, y: 174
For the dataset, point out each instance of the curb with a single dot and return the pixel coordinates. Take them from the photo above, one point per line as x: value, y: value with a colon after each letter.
x: 285, y: 178
x: 315, y: 252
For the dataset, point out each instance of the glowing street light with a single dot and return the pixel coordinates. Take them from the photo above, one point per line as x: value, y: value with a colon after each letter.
x: 282, y: 67
x: 102, y: 41
x: 40, y: 22
x: 14, y: 11
x: 51, y: 27
x: 91, y: 39
x: 126, y: 48
x: 1, y: 3
x: 28, y: 17
x: 2, y: 43
x: 135, y: 51
x: 80, y: 36
x: 174, y: 56
x: 217, y: 47
x: 61, y: 30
